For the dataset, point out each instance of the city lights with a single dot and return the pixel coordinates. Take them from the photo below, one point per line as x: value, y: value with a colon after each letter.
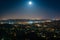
x: 30, y: 22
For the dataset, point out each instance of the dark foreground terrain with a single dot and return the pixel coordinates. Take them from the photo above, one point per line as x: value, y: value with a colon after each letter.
x: 38, y: 31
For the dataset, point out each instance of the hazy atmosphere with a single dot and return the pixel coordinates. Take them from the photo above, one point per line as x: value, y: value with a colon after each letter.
x: 22, y: 9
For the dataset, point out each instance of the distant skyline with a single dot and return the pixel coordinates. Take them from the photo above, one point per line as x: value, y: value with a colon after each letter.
x: 20, y: 9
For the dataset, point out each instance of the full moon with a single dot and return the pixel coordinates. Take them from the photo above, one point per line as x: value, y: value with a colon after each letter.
x: 30, y: 3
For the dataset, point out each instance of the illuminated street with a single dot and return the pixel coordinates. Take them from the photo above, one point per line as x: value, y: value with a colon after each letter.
x: 30, y: 31
x: 29, y: 19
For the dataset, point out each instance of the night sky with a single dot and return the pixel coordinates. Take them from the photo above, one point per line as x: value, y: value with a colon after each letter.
x: 20, y: 9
